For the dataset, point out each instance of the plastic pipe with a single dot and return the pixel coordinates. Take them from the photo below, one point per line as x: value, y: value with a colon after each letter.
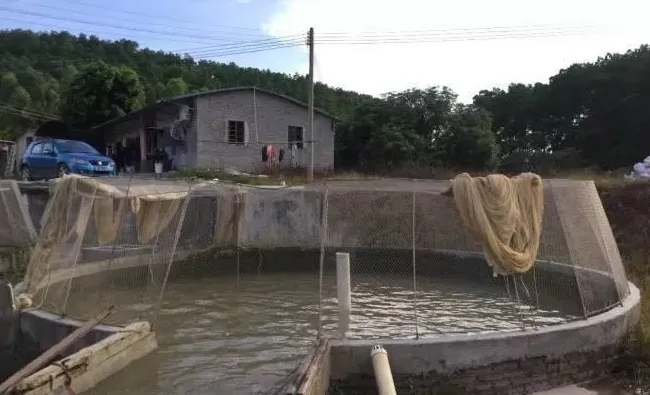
x: 343, y: 291
x: 383, y: 375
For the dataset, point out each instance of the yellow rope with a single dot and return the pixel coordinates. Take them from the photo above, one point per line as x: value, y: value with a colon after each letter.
x: 505, y: 214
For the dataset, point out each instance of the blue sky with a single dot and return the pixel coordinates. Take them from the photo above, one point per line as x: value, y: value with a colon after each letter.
x: 208, y: 25
x: 369, y: 46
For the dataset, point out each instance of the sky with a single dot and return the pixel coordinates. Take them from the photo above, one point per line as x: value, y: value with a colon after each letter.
x: 370, y: 46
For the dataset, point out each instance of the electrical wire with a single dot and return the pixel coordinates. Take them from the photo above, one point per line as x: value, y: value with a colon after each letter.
x: 421, y: 35
x: 395, y: 40
x: 445, y: 39
x: 24, y: 114
x: 95, y: 15
x: 27, y: 111
x: 429, y: 37
x: 266, y: 48
x: 148, y: 15
x: 252, y: 44
x: 99, y: 33
x: 419, y: 32
x: 62, y: 61
x: 270, y: 40
x: 97, y: 23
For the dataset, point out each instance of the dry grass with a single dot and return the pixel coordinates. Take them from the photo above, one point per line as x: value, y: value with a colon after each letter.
x: 289, y: 176
x: 627, y: 205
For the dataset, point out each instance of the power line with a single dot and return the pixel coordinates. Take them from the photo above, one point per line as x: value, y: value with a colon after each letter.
x: 266, y: 48
x: 442, y: 39
x: 32, y: 111
x: 296, y: 39
x: 251, y: 46
x: 139, y: 21
x: 99, y: 33
x: 96, y: 23
x: 148, y: 15
x: 242, y: 44
x: 426, y: 36
x: 446, y: 30
x: 269, y: 40
x: 237, y: 50
x: 25, y: 114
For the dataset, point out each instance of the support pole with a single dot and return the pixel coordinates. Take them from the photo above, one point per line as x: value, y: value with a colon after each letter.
x: 343, y: 290
x: 310, y: 104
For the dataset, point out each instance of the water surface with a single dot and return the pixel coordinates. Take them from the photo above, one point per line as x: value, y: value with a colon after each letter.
x: 242, y: 336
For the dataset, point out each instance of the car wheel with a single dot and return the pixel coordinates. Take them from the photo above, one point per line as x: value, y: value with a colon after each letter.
x: 25, y: 174
x: 62, y: 170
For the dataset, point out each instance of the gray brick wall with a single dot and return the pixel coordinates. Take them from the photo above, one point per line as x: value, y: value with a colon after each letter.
x: 516, y: 377
x: 273, y: 117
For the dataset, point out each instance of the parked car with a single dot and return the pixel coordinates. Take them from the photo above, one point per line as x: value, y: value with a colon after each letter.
x: 50, y: 158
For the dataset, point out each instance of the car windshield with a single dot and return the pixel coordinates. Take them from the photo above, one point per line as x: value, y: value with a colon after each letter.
x: 75, y: 147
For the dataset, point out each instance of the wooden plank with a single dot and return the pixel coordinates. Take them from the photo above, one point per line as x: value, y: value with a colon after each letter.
x: 314, y: 369
x: 57, y: 349
x: 92, y: 364
x: 301, y: 379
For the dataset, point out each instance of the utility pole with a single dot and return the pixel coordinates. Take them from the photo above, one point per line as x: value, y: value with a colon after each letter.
x: 310, y: 103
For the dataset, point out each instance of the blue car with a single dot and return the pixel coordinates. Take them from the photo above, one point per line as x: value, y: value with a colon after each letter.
x: 50, y: 158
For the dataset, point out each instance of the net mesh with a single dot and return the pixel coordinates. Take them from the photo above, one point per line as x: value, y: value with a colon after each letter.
x: 16, y: 228
x: 267, y: 256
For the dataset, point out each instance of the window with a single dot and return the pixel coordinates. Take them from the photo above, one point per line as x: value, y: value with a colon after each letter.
x: 47, y: 148
x: 37, y: 149
x: 295, y: 136
x: 236, y: 132
x: 77, y: 147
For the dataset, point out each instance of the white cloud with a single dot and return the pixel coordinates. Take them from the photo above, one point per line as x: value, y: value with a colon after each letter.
x: 465, y: 66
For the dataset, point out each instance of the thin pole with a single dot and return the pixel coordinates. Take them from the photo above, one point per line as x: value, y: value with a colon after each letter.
x: 413, y: 260
x: 257, y: 136
x: 310, y: 123
x: 177, y: 235
x: 321, y: 263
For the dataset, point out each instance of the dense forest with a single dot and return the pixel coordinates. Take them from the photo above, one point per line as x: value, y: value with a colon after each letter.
x: 588, y: 115
x: 38, y: 69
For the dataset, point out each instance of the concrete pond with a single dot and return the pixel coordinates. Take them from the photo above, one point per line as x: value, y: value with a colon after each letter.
x: 254, y: 281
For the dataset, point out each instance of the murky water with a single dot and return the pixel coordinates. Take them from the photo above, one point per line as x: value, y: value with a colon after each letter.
x: 219, y: 336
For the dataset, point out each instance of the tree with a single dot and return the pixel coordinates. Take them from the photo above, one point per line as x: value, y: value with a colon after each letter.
x: 175, y: 87
x: 14, y: 104
x: 591, y: 113
x: 467, y: 141
x: 101, y: 92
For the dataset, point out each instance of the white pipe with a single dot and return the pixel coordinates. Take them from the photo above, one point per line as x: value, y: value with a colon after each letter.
x: 381, y: 367
x: 343, y: 290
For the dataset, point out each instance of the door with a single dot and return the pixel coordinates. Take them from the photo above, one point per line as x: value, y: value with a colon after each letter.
x: 49, y: 160
x: 33, y: 160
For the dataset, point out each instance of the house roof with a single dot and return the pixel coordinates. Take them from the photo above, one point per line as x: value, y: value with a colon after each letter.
x: 135, y: 113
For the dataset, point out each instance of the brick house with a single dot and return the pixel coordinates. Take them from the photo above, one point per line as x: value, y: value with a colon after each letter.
x: 226, y: 128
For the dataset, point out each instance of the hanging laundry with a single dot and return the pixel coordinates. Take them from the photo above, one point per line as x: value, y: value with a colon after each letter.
x: 270, y: 151
x: 281, y: 155
x: 265, y: 154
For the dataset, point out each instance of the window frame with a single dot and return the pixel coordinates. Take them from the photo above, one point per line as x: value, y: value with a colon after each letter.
x: 39, y: 144
x: 46, y: 144
x: 300, y: 143
x: 230, y: 130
